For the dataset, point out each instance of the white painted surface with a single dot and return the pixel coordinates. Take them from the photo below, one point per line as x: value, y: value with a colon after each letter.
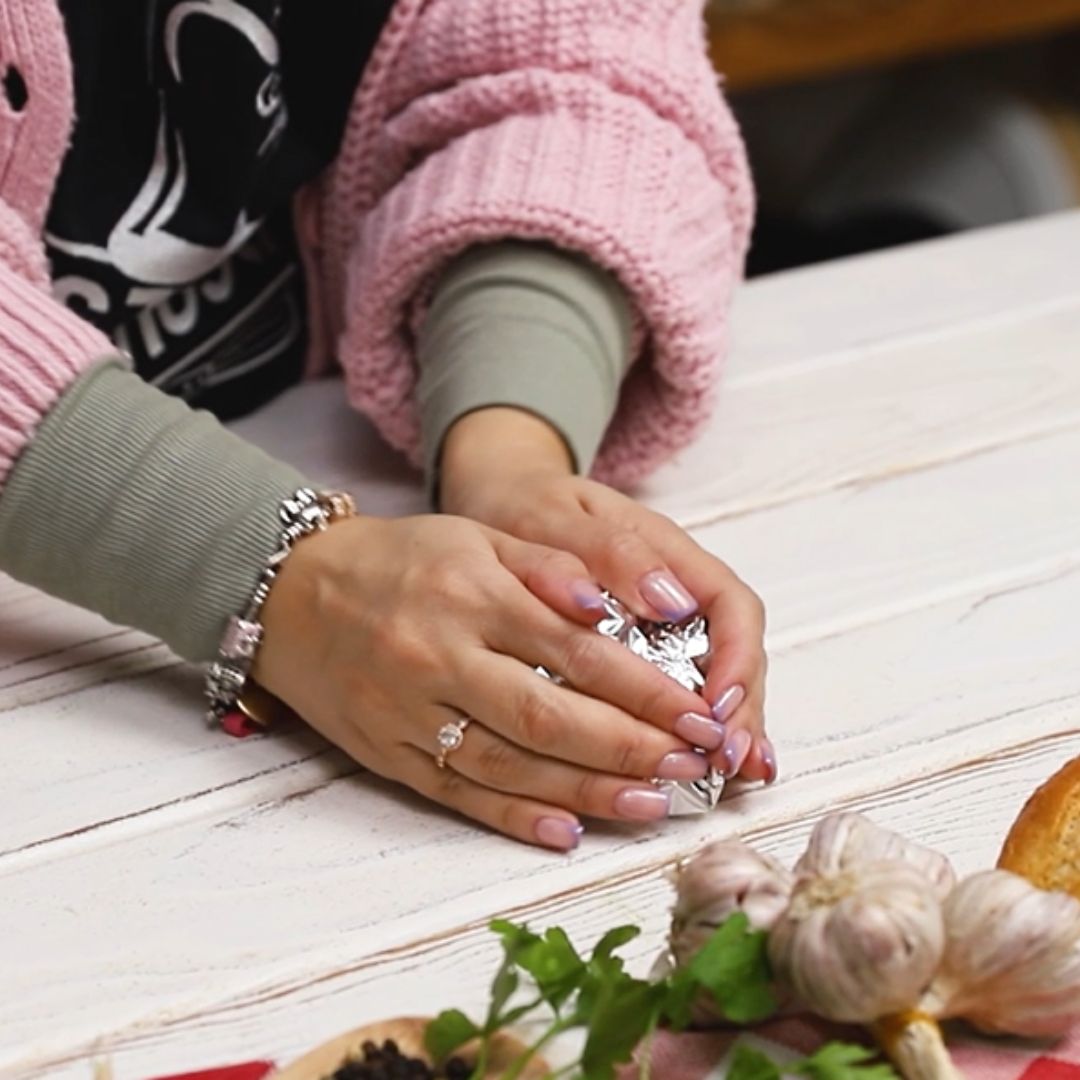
x: 894, y: 465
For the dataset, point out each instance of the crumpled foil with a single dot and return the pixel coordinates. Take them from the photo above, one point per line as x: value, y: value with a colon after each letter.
x: 677, y: 649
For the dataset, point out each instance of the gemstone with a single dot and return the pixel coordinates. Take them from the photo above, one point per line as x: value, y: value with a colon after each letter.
x: 451, y: 736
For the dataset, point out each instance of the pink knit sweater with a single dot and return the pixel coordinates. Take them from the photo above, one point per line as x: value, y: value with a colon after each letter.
x: 593, y: 124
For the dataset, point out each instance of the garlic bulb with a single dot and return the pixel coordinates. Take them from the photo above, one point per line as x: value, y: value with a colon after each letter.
x: 842, y: 841
x: 723, y: 878
x: 1012, y: 957
x: 861, y: 944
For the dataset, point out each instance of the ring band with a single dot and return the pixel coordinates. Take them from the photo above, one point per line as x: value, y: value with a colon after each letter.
x: 451, y: 736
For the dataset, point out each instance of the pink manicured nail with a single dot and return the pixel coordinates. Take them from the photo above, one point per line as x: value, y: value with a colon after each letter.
x: 682, y: 765
x: 668, y: 595
x: 700, y: 731
x: 736, y: 747
x: 643, y: 804
x: 768, y: 758
x: 559, y: 833
x: 727, y: 703
x: 587, y: 596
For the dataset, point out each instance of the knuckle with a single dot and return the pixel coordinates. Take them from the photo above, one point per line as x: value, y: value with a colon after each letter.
x: 630, y: 756
x: 452, y: 582
x: 586, y: 792
x: 582, y: 655
x: 539, y: 720
x: 397, y: 641
x: 627, y: 551
x: 498, y: 764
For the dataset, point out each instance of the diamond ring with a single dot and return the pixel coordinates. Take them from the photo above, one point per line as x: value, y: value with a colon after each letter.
x: 451, y: 736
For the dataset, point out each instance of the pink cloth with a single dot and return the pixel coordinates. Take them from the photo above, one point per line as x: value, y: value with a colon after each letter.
x: 704, y: 1055
x: 594, y: 126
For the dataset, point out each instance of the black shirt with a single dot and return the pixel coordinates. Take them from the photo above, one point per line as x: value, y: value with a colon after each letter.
x: 170, y: 228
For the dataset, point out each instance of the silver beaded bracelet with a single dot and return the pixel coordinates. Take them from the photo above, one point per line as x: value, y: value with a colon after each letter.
x: 302, y: 513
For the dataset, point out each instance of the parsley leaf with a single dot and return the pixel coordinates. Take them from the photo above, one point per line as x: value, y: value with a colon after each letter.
x: 447, y: 1032
x: 750, y: 1064
x: 844, y: 1061
x: 734, y: 968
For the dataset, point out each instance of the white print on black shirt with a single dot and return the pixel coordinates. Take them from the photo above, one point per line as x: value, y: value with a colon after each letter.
x: 189, y: 270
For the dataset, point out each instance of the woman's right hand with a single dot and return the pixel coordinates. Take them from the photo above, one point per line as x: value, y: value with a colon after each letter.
x: 378, y: 632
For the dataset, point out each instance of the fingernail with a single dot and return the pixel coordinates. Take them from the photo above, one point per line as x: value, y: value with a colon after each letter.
x: 700, y: 731
x: 587, y: 596
x: 643, y: 804
x: 768, y: 758
x: 727, y: 703
x: 668, y: 595
x: 736, y: 747
x: 682, y: 765
x: 559, y: 833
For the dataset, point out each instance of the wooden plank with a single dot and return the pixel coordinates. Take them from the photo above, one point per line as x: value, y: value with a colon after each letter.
x: 170, y: 921
x: 927, y: 296
x: 824, y: 565
x: 778, y: 41
x: 963, y: 811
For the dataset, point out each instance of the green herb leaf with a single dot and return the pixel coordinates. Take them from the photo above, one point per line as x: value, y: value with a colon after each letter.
x: 734, y: 967
x: 844, y: 1061
x: 683, y: 988
x: 554, y: 965
x: 750, y: 1064
x: 615, y: 939
x: 624, y: 1010
x: 447, y: 1032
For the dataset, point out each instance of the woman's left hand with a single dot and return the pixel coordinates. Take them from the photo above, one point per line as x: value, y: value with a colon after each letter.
x: 526, y: 488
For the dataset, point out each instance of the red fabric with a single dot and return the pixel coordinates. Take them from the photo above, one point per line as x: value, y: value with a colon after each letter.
x: 249, y: 1070
x: 706, y: 1055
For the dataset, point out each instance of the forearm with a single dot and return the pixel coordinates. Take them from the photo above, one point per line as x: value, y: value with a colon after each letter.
x: 522, y: 355
x: 132, y: 505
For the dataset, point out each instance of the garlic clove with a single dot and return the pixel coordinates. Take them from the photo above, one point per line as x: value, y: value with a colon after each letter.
x: 724, y: 878
x: 1012, y: 957
x: 841, y: 841
x: 860, y: 944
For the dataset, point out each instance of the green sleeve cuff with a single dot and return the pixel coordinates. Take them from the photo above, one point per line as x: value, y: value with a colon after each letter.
x: 528, y: 326
x: 130, y: 504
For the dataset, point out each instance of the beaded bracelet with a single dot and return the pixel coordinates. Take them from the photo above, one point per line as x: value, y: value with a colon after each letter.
x: 228, y: 686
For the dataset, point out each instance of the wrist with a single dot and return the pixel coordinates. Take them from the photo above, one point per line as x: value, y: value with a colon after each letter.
x: 497, y: 445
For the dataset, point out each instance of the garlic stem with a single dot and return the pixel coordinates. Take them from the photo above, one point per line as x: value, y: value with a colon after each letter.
x: 914, y: 1043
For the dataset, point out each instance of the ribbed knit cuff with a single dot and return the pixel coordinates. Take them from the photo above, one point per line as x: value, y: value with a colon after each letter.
x: 130, y: 504
x: 527, y: 326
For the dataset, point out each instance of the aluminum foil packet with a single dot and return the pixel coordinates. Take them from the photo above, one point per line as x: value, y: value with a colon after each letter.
x: 678, y: 649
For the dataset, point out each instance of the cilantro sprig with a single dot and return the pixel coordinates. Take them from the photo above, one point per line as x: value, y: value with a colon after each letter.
x: 545, y: 973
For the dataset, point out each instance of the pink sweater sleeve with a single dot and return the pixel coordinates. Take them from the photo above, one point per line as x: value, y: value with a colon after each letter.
x: 43, y: 345
x: 596, y: 125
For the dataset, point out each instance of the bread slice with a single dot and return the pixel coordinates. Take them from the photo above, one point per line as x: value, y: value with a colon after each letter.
x: 1044, y: 843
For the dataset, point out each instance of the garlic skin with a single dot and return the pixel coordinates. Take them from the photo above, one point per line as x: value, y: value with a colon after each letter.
x: 841, y: 842
x: 723, y: 878
x: 1012, y: 957
x: 861, y: 944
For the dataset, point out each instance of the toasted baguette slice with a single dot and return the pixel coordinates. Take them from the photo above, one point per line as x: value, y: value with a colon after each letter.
x: 1044, y: 843
x: 408, y: 1033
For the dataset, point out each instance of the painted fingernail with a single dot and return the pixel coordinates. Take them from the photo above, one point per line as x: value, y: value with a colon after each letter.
x: 727, y: 703
x: 559, y: 833
x: 682, y: 765
x: 587, y: 596
x: 668, y: 595
x: 768, y: 758
x: 736, y: 747
x: 643, y: 804
x: 700, y: 731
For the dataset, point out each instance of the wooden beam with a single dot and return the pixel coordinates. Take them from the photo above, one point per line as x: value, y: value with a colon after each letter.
x: 777, y: 41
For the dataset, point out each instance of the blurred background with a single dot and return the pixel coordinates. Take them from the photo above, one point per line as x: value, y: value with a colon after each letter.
x: 873, y: 123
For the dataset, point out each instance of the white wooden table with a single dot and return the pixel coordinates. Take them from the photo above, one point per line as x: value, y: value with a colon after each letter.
x: 895, y: 466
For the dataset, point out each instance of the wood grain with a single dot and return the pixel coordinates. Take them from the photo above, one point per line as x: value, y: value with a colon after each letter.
x: 762, y: 44
x: 897, y: 474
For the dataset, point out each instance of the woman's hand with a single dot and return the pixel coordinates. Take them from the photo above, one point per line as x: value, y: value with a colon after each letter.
x: 379, y: 632
x: 512, y: 472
